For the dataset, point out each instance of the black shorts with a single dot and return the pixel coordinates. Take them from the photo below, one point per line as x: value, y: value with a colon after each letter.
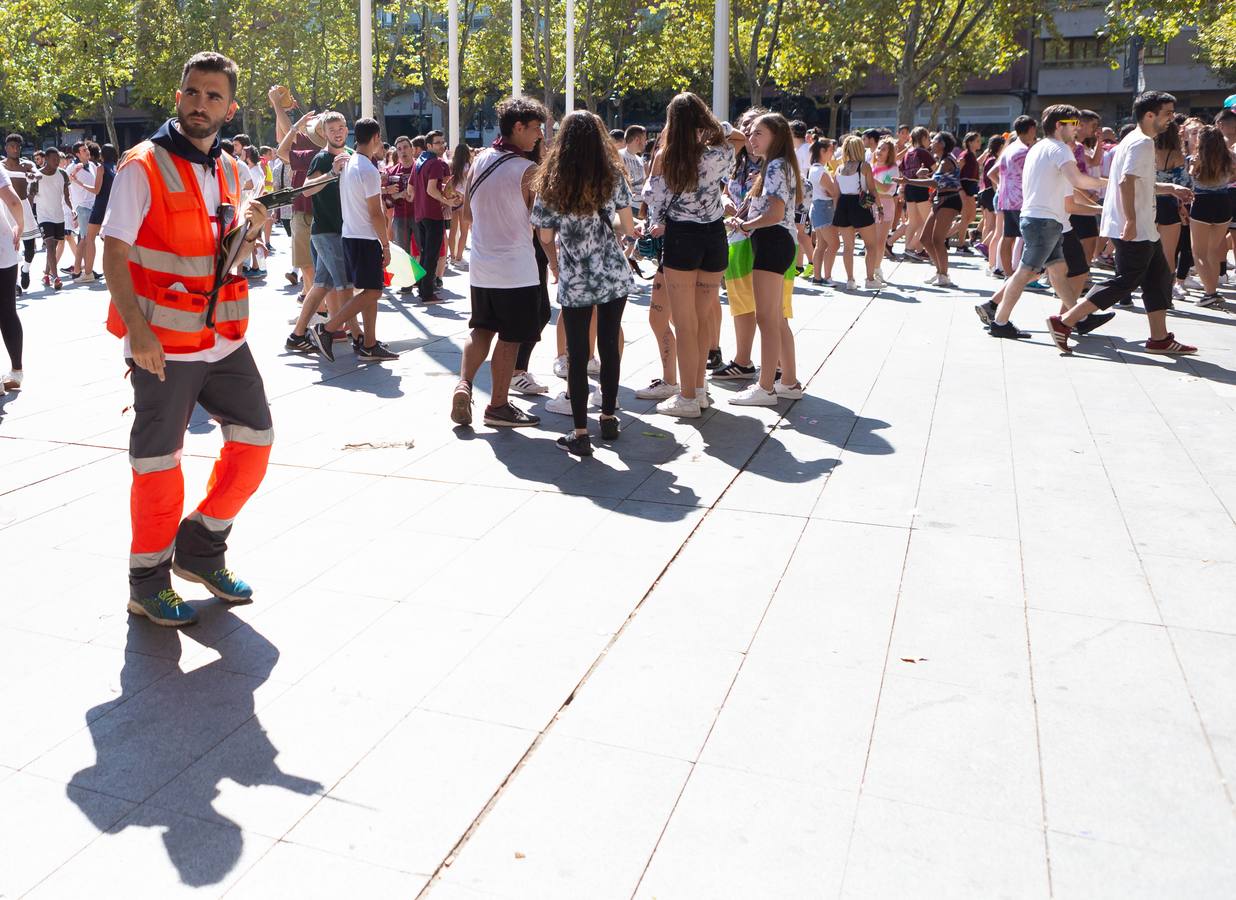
x: 97, y: 213
x: 948, y: 200
x: 1214, y: 208
x: 695, y: 245
x: 52, y: 231
x: 774, y: 249
x: 363, y: 258
x: 1012, y: 223
x: 850, y: 213
x: 1075, y: 253
x: 1231, y: 199
x: 514, y: 314
x: 987, y: 199
x: 1085, y: 226
x: 917, y: 193
x: 970, y: 186
x: 1166, y: 210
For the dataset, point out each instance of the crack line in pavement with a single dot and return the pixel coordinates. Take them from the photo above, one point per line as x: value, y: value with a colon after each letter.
x: 453, y: 854
x: 892, y: 625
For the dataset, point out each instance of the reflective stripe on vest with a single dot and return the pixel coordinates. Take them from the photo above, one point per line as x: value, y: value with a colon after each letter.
x: 172, y: 260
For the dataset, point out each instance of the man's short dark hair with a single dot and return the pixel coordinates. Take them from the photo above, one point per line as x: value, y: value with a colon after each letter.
x: 1225, y: 115
x: 366, y: 130
x: 242, y: 139
x: 402, y: 139
x: 208, y: 61
x: 77, y: 145
x: 14, y: 139
x: 617, y: 134
x: 1024, y: 124
x: 798, y: 128
x: 109, y: 155
x: 634, y: 133
x: 901, y: 128
x: 1054, y: 113
x: 431, y: 136
x: 419, y: 142
x: 517, y: 110
x: 1125, y: 130
x: 227, y: 147
x: 50, y: 151
x: 1089, y: 115
x: 873, y: 133
x: 1150, y: 102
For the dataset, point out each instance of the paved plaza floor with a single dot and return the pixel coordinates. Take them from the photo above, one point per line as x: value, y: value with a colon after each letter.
x: 960, y: 623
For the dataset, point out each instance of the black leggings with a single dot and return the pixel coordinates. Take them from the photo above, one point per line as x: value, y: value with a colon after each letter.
x: 524, y: 357
x: 10, y: 325
x: 1184, y: 254
x: 578, y: 319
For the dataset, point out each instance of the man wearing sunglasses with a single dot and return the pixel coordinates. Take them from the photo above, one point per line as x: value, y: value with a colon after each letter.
x: 1049, y: 177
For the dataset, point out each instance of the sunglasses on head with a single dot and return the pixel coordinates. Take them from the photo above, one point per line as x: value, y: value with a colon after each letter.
x: 1068, y: 121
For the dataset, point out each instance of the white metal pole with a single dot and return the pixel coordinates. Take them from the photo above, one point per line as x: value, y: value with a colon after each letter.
x: 570, y: 55
x: 517, y: 36
x: 366, y: 57
x: 452, y: 55
x: 721, y: 60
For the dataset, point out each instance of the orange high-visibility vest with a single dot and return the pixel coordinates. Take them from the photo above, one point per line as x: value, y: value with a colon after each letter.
x: 172, y: 260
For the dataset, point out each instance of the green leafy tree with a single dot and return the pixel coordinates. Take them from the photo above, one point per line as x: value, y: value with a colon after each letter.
x: 822, y: 56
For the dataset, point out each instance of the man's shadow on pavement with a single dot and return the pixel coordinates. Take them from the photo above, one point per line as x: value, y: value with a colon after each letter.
x: 148, y: 738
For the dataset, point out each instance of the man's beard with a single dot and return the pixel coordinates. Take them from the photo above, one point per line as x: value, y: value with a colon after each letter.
x: 337, y: 146
x: 198, y: 128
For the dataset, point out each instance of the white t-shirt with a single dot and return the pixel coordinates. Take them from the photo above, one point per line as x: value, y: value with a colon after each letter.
x: 1043, y: 184
x: 49, y: 202
x: 636, y: 173
x: 803, y: 152
x: 8, y: 255
x: 79, y: 193
x: 813, y: 179
x: 502, y: 252
x: 1134, y: 158
x: 360, y: 181
x: 127, y: 207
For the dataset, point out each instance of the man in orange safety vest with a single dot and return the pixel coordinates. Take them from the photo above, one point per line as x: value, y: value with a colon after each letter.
x: 168, y: 203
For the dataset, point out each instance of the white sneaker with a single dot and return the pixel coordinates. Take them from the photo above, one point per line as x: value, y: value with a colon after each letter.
x: 525, y: 384
x: 1178, y: 293
x: 560, y: 405
x: 788, y: 393
x: 560, y: 367
x: 679, y: 406
x: 871, y: 285
x: 594, y: 399
x: 932, y: 278
x: 701, y: 394
x: 12, y: 381
x: 850, y: 285
x: 1193, y: 284
x: 658, y: 390
x: 594, y: 366
x: 755, y: 396
x: 945, y: 281
x: 881, y: 279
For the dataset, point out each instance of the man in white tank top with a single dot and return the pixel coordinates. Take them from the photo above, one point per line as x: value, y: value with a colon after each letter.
x: 505, y: 280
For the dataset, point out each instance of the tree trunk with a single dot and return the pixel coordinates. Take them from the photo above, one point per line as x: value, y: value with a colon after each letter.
x: 109, y: 118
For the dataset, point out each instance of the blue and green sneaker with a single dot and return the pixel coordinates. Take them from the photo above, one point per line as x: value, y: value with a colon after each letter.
x: 223, y: 583
x: 164, y: 608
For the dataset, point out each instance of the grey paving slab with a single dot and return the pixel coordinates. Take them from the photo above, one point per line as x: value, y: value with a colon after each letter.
x: 959, y: 620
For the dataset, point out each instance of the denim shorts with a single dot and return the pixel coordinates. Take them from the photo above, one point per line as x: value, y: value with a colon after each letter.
x: 822, y: 212
x: 1042, y: 243
x: 330, y: 268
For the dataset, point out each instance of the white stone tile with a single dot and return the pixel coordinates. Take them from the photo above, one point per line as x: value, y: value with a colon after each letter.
x: 1194, y: 593
x: 412, y: 798
x: 1084, y: 868
x: 651, y: 695
x: 314, y: 875
x: 737, y: 835
x: 45, y: 824
x: 900, y: 850
x: 956, y: 749
x: 818, y: 735
x: 578, y: 820
x: 519, y: 675
x: 157, y: 854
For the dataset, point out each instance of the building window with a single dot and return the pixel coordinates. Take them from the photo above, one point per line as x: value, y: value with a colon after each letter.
x: 1073, y: 52
x: 1154, y: 53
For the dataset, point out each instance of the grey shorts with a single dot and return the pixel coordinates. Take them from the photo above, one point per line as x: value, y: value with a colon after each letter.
x: 83, y: 221
x: 330, y: 269
x: 1042, y: 243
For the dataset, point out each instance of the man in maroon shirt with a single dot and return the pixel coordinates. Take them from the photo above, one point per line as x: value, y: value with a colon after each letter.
x: 297, y: 154
x: 401, y: 190
x: 431, y: 208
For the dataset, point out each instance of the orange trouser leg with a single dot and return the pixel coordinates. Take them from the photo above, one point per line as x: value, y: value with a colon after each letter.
x: 155, y: 502
x: 202, y: 539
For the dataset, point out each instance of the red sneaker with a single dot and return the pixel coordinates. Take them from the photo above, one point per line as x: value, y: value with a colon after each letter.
x: 57, y: 284
x: 1059, y: 333
x: 1169, y: 344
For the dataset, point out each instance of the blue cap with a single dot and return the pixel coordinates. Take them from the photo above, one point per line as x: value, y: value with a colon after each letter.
x: 1230, y: 102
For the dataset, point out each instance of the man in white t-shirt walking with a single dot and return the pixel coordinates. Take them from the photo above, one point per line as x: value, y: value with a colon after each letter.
x: 1049, y: 176
x: 366, y: 246
x: 505, y: 280
x: 82, y: 174
x: 1128, y: 219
